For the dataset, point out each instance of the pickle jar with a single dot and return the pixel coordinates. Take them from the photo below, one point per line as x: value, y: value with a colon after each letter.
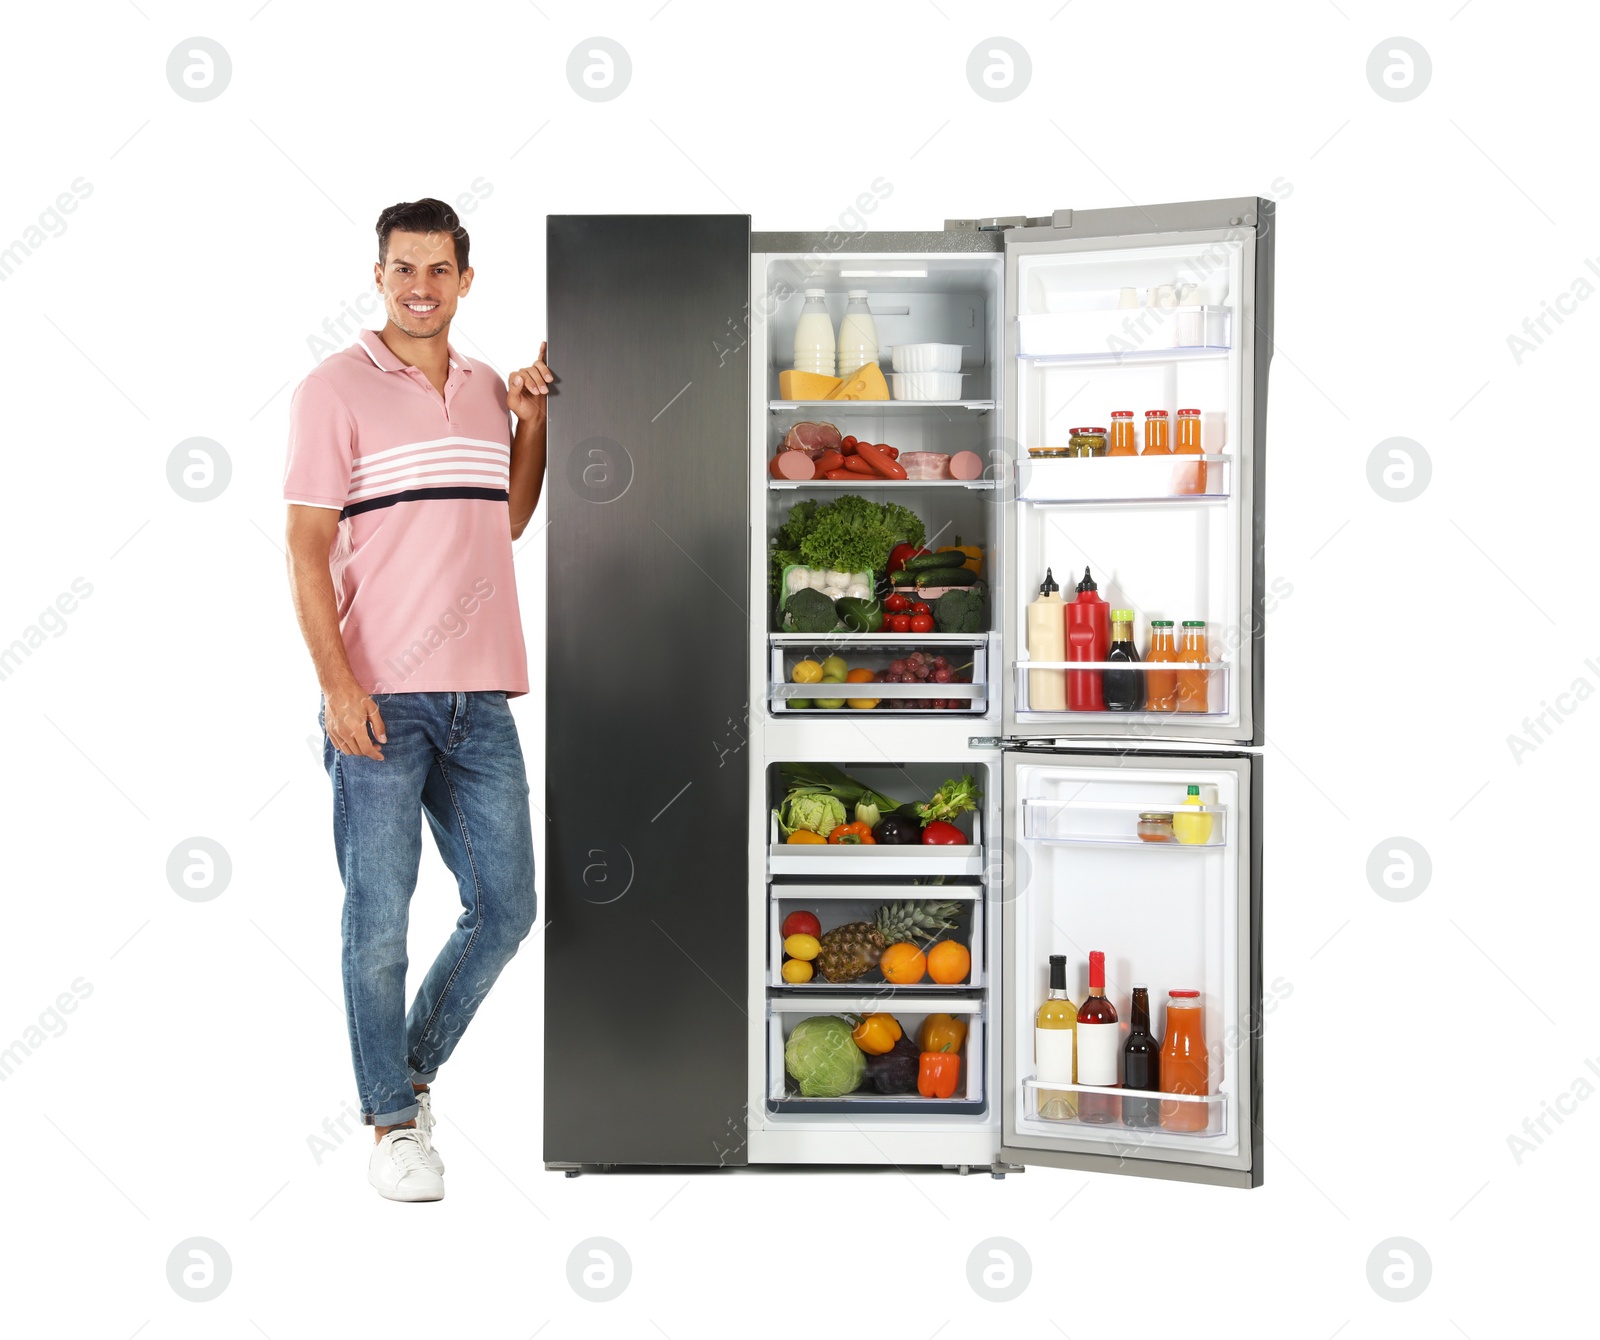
x: 1087, y: 442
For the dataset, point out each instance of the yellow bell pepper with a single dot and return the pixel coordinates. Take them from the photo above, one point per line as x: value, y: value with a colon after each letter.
x: 941, y: 1032
x: 877, y: 1034
x: 970, y: 552
x: 801, y: 836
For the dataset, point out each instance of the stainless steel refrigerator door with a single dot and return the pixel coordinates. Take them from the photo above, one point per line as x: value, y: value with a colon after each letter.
x: 648, y: 636
x: 1109, y: 238
x: 1074, y: 905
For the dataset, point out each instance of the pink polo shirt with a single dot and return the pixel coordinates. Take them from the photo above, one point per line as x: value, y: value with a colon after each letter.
x: 421, y: 561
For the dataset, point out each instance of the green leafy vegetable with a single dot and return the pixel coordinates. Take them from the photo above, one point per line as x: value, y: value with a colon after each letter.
x: 851, y: 534
x: 953, y: 798
x: 824, y: 1058
x: 785, y: 548
x: 819, y: 813
x: 826, y: 779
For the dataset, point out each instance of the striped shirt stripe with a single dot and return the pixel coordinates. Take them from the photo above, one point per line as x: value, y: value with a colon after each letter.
x: 358, y: 462
x: 433, y: 460
x: 427, y: 478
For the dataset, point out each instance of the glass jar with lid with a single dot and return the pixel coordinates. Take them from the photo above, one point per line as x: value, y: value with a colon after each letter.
x: 1155, y: 826
x: 1087, y: 442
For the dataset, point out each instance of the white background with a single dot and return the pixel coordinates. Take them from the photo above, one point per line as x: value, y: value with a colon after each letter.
x: 176, y: 701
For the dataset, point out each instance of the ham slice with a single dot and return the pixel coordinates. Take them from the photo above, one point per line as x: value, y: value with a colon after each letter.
x: 813, y: 438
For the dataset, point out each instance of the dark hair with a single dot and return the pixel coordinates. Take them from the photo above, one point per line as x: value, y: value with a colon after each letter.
x: 422, y: 216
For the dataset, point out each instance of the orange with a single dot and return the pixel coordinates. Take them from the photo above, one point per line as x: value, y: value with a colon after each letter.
x: 903, y: 964
x: 860, y: 677
x: 949, y: 962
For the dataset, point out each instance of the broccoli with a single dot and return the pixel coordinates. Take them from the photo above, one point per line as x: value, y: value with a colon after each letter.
x: 962, y: 611
x: 809, y: 611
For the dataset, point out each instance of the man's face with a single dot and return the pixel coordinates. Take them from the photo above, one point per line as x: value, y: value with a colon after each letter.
x: 420, y: 282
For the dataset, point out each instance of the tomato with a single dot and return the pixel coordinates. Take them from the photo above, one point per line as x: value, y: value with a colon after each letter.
x: 922, y: 623
x: 899, y: 604
x: 899, y: 623
x: 920, y: 607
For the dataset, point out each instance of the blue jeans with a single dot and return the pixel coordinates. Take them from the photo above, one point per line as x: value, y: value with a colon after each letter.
x: 455, y: 758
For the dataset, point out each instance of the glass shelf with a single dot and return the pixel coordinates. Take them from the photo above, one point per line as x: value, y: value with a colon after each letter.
x: 854, y: 485
x: 1217, y: 681
x: 872, y: 406
x: 1042, y: 1096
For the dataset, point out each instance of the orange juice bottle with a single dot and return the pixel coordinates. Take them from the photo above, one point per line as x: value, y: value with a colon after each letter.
x: 1122, y: 434
x: 1185, y: 1064
x: 1156, y: 439
x: 1193, y: 684
x: 1161, y: 686
x: 1189, y: 478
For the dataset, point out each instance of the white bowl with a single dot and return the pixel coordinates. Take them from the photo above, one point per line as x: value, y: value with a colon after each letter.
x: 927, y: 385
x: 927, y: 358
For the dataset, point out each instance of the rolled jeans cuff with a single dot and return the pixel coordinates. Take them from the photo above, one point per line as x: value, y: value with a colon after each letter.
x: 396, y: 1118
x: 422, y: 1076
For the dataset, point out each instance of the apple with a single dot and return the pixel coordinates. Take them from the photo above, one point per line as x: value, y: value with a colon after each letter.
x: 801, y: 923
x: 834, y: 669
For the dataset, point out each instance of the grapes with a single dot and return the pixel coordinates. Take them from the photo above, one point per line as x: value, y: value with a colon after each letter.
x: 941, y: 676
x: 897, y: 667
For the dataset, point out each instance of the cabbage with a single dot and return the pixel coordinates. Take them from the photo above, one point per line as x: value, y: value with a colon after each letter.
x: 824, y: 1058
x: 820, y: 813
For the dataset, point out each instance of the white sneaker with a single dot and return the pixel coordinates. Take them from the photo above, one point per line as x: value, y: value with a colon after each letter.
x: 425, y: 1129
x: 400, y: 1167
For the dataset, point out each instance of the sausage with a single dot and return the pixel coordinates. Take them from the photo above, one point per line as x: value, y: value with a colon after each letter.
x: 858, y: 465
x: 792, y: 465
x: 850, y: 475
x: 966, y: 465
x: 829, y: 460
x: 881, y: 464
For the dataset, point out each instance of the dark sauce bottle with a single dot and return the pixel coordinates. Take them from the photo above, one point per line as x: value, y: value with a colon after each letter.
x: 1123, y: 689
x: 1141, y: 1059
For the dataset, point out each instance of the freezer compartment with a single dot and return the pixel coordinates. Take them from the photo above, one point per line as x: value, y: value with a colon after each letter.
x: 966, y: 661
x: 1081, y: 880
x: 904, y: 783
x: 837, y: 905
x: 783, y: 1091
x: 1125, y: 332
x: 913, y: 299
x: 1180, y: 479
x: 1188, y: 1116
x: 1214, y: 694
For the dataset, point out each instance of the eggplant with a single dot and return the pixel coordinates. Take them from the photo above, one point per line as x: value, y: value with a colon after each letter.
x: 895, y: 1071
x: 897, y: 830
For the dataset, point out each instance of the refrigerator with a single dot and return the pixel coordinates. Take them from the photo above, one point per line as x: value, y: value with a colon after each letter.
x: 673, y: 708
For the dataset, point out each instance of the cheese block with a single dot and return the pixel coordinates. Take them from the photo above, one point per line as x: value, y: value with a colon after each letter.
x: 865, y: 383
x: 793, y: 385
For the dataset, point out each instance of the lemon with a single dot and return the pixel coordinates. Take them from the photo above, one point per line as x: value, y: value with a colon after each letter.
x: 806, y: 672
x: 805, y: 947
x: 796, y: 970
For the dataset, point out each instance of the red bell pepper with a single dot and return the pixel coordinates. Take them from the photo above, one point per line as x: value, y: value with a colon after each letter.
x: 938, y: 1073
x: 901, y: 552
x: 941, y: 834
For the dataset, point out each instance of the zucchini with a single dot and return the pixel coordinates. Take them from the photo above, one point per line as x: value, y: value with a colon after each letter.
x: 947, y: 577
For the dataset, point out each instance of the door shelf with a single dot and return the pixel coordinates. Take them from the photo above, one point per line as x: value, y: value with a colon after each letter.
x: 1217, y: 697
x: 877, y: 654
x: 1163, y: 479
x: 1109, y: 823
x: 833, y: 912
x: 1127, y: 332
x: 813, y: 859
x: 873, y: 406
x: 1040, y: 1096
x: 783, y: 1093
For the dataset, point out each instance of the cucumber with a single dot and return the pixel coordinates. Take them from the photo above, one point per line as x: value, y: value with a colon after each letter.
x: 947, y: 577
x: 920, y: 561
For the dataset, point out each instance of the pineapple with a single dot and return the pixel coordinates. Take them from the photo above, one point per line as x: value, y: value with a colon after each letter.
x: 851, y: 951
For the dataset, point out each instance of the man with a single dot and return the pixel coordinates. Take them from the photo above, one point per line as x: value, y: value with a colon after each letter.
x: 406, y: 486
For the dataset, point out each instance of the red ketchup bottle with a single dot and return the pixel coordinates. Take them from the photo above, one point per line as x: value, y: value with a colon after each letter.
x: 1088, y: 639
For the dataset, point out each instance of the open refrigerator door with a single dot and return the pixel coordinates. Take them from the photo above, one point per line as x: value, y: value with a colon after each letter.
x: 1112, y: 854
x: 1136, y: 363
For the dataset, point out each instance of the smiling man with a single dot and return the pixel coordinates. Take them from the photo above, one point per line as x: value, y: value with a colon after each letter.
x: 406, y: 485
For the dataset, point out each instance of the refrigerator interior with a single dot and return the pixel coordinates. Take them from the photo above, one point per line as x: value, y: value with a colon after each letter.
x: 1167, y: 915
x: 841, y: 884
x: 1169, y: 537
x: 952, y: 299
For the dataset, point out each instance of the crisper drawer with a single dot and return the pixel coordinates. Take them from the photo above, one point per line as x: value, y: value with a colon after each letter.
x: 811, y: 860
x: 945, y: 951
x: 784, y: 1094
x: 797, y: 661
